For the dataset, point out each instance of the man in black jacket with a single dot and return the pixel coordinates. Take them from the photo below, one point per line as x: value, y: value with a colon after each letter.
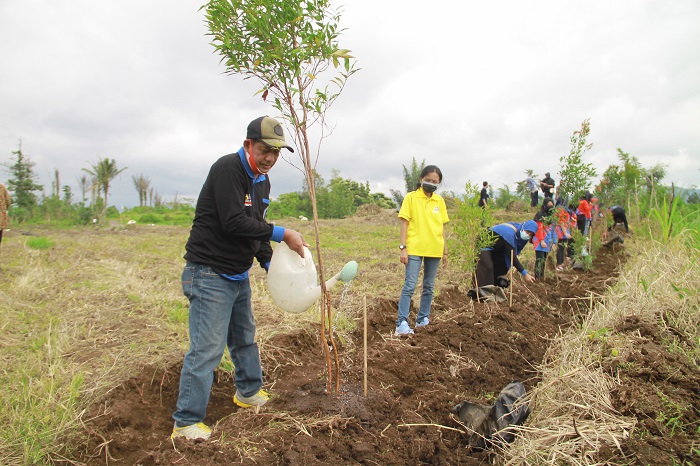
x: 229, y: 231
x: 547, y: 185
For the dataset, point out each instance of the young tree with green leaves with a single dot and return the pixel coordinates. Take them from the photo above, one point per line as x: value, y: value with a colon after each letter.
x: 470, y: 227
x: 291, y: 48
x: 575, y: 174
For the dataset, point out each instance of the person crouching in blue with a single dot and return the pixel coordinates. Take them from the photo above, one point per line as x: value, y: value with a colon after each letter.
x: 494, y: 260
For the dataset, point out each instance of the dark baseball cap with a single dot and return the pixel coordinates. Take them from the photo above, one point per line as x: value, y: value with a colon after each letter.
x: 269, y: 131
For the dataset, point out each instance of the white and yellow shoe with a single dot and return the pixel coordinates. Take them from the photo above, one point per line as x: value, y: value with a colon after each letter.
x: 255, y: 401
x: 193, y: 432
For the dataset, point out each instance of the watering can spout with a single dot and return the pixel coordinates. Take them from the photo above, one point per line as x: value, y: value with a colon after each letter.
x: 293, y: 282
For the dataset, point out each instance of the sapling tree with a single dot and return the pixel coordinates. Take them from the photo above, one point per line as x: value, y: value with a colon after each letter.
x: 575, y: 174
x: 576, y: 178
x: 291, y: 48
x: 471, y: 233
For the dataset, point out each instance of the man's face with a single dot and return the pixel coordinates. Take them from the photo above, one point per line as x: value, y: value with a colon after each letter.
x: 264, y: 156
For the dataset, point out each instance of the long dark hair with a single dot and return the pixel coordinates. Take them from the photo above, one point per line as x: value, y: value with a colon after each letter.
x: 427, y: 170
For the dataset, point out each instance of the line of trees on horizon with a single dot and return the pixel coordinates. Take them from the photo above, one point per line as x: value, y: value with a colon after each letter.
x: 32, y: 203
x: 628, y: 184
x: 339, y: 198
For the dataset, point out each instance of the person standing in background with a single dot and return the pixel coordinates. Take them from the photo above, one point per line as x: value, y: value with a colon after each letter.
x: 5, y: 201
x: 484, y: 196
x: 584, y: 213
x: 534, y: 191
x: 423, y: 217
x: 547, y: 185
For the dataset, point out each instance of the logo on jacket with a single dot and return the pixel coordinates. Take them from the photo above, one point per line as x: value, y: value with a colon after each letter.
x: 248, y: 202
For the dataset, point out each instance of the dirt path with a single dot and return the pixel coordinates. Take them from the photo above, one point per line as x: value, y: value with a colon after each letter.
x: 467, y: 352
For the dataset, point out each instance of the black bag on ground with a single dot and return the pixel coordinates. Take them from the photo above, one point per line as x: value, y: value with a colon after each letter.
x: 489, y: 425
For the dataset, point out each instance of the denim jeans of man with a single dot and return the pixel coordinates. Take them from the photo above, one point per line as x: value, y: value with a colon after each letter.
x: 409, y: 286
x: 221, y: 315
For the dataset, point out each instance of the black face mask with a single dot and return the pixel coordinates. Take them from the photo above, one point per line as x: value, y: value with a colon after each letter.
x: 428, y: 187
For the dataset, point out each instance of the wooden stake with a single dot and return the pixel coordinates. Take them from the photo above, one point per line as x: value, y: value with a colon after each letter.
x: 510, y: 304
x: 364, y: 338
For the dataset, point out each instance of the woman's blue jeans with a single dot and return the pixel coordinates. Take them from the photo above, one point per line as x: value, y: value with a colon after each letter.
x: 221, y: 315
x: 409, y: 286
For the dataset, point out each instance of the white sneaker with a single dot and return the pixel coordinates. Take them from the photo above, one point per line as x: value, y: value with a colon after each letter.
x: 254, y: 401
x: 193, y: 432
x: 404, y: 329
x: 423, y: 322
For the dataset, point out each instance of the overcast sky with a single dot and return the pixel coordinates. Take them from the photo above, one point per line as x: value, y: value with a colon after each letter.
x: 484, y: 90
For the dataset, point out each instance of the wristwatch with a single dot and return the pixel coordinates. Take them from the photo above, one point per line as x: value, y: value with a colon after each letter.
x: 402, y: 246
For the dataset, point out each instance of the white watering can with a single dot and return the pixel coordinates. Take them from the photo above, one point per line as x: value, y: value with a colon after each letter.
x: 293, y: 282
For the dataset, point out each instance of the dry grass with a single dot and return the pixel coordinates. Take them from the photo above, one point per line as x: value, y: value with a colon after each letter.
x: 77, y: 320
x: 573, y: 416
x: 81, y: 317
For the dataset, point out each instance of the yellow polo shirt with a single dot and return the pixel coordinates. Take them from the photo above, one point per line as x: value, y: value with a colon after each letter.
x: 426, y: 217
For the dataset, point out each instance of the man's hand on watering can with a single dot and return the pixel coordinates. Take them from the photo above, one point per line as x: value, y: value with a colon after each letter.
x: 295, y: 241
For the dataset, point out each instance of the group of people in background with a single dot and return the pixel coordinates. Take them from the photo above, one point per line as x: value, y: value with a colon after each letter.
x: 423, y: 215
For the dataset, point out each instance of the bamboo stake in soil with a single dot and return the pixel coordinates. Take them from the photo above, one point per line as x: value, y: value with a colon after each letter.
x: 336, y: 359
x: 510, y: 303
x: 364, y: 344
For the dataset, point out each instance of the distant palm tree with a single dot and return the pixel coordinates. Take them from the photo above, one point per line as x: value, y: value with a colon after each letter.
x: 103, y: 172
x: 84, y: 185
x: 142, y: 183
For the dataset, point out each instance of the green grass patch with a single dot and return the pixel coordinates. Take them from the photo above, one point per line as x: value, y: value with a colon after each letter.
x: 39, y: 242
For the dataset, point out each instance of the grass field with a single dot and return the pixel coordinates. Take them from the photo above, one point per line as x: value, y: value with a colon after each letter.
x: 82, y: 310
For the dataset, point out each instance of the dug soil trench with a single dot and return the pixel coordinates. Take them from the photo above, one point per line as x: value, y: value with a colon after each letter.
x: 469, y: 351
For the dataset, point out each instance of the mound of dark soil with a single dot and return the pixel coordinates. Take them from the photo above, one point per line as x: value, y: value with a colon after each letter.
x: 469, y: 351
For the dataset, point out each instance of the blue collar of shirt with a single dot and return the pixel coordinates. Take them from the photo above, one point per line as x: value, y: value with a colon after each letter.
x: 249, y: 171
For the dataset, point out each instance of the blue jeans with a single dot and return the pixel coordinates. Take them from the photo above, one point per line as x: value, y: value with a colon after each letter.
x: 221, y: 315
x: 409, y: 286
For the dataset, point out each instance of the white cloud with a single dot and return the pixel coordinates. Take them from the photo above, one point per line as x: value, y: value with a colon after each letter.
x: 483, y: 90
